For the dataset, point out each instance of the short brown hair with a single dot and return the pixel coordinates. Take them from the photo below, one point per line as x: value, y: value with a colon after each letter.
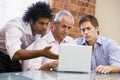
x: 89, y: 18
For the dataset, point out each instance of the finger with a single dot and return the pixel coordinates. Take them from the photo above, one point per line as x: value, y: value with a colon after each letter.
x: 107, y: 69
x: 97, y: 68
x: 100, y: 69
x: 55, y: 63
x: 103, y: 70
x: 48, y: 47
x: 54, y: 56
x: 50, y: 54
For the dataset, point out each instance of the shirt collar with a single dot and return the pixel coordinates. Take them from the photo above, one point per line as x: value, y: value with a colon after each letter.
x: 49, y: 37
x: 83, y: 41
x: 28, y: 29
x: 99, y: 41
x: 65, y: 40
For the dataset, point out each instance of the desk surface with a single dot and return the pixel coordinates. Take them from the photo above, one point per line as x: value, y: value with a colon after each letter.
x: 50, y: 75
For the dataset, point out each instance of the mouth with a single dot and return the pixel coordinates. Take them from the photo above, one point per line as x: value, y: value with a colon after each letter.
x: 86, y: 37
x: 42, y: 32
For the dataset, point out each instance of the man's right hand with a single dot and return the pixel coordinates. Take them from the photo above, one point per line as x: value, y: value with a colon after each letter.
x: 49, y: 54
x: 51, y: 65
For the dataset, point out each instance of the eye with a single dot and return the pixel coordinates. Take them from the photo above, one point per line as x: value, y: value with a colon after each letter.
x: 69, y: 27
x: 41, y: 23
x: 88, y: 28
x: 63, y: 26
x: 47, y: 23
x: 83, y: 30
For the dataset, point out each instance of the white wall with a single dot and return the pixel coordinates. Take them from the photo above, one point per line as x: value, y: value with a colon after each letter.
x: 10, y: 9
x: 108, y: 14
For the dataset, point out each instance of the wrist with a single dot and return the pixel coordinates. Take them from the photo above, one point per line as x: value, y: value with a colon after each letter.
x: 42, y: 52
x: 109, y: 69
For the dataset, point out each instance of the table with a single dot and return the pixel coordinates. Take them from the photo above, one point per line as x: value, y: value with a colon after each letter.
x: 52, y: 75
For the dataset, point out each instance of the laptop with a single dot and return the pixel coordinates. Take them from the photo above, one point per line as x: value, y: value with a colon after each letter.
x: 74, y: 58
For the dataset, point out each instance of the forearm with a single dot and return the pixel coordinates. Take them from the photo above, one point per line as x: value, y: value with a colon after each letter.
x: 27, y: 54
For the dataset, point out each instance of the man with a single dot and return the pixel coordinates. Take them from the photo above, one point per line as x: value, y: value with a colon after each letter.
x: 62, y: 25
x: 19, y: 33
x: 105, y: 52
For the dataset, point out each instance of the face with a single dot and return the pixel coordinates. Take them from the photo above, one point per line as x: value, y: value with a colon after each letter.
x: 40, y: 26
x: 62, y: 29
x: 89, y: 31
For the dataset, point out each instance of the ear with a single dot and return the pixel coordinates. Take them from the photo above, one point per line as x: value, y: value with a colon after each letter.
x: 31, y: 22
x: 97, y: 28
x: 53, y: 24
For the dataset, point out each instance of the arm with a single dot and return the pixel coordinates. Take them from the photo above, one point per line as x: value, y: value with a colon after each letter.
x: 113, y: 53
x: 28, y: 54
x: 13, y: 46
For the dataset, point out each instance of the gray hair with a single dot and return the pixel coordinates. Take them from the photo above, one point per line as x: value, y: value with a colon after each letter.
x: 59, y: 15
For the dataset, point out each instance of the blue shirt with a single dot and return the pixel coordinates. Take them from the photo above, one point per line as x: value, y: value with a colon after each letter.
x: 106, y: 52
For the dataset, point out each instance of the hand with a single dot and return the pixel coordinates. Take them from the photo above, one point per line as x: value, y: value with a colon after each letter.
x: 103, y: 69
x: 49, y: 54
x: 48, y: 66
x: 53, y: 64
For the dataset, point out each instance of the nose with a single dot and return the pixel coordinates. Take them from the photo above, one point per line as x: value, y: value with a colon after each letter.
x: 66, y: 30
x: 45, y: 26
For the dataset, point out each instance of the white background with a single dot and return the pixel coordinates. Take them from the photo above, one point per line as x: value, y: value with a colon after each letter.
x: 13, y: 8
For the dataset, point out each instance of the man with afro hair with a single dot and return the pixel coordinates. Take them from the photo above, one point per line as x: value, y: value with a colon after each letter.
x: 19, y: 33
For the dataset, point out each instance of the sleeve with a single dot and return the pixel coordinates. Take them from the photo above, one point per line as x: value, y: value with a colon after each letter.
x: 114, y: 53
x: 35, y: 64
x: 13, y: 40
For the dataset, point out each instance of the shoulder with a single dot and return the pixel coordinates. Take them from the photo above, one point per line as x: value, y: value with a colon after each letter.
x: 48, y: 37
x: 109, y: 43
x: 80, y: 40
x: 16, y: 23
x: 15, y: 20
x: 69, y: 40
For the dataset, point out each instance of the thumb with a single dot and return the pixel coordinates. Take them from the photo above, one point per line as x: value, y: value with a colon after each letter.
x: 48, y: 47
